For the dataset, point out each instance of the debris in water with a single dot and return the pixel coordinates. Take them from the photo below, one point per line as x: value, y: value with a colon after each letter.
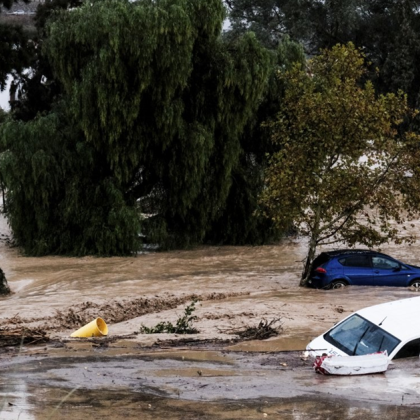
x: 265, y: 329
x: 4, y: 287
x: 19, y: 336
x: 95, y: 328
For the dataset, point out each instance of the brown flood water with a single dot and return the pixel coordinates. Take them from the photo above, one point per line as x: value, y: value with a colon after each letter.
x: 238, y: 286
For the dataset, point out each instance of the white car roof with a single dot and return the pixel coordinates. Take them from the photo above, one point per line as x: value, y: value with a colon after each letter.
x: 399, y: 318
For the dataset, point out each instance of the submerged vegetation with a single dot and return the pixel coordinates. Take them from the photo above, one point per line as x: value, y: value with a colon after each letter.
x: 183, y: 324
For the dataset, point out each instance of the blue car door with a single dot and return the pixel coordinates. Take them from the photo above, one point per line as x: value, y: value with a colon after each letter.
x: 388, y: 272
x: 358, y: 269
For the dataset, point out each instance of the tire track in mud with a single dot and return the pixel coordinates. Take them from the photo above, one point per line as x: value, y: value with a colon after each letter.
x: 114, y: 311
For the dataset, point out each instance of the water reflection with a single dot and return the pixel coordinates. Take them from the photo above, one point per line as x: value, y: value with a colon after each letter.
x: 14, y: 399
x: 123, y: 405
x: 183, y: 385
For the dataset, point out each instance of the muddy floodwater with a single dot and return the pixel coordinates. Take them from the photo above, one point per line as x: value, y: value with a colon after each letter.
x: 208, y: 375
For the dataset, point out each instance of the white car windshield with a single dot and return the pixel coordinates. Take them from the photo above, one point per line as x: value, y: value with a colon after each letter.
x: 356, y: 336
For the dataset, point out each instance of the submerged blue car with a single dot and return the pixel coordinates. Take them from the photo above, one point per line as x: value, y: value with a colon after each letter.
x: 357, y: 267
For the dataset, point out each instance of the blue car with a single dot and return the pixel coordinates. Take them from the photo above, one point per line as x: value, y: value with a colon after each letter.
x: 335, y: 269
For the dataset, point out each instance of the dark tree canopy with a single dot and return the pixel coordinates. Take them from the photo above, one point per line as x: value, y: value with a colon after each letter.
x: 36, y: 91
x: 238, y: 222
x: 388, y: 31
x: 15, y: 51
x: 269, y: 19
x: 315, y: 23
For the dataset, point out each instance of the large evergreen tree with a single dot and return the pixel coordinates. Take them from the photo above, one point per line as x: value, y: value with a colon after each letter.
x: 155, y: 105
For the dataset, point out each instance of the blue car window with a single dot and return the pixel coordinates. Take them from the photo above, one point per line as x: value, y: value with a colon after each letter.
x: 355, y: 261
x: 384, y: 263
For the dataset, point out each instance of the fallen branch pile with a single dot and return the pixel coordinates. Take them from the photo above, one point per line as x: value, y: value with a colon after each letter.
x: 21, y: 335
x: 265, y: 329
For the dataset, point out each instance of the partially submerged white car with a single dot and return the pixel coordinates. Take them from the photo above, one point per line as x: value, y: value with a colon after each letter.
x: 393, y: 327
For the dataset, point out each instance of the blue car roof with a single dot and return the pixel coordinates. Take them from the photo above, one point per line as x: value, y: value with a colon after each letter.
x: 352, y: 251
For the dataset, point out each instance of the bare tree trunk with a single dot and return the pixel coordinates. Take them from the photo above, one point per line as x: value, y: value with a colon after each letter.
x: 308, y: 263
x: 4, y: 209
x: 312, y: 247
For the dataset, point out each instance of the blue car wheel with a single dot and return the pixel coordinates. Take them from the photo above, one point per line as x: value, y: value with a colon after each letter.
x: 338, y: 284
x: 415, y: 284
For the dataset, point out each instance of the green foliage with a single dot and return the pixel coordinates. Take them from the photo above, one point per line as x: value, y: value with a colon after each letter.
x: 57, y: 201
x: 316, y: 24
x: 48, y: 9
x: 238, y: 223
x: 270, y: 20
x: 155, y: 103
x: 37, y: 91
x: 156, y: 91
x: 3, y: 115
x: 340, y: 172
x: 183, y: 324
x: 387, y: 30
x: 396, y: 50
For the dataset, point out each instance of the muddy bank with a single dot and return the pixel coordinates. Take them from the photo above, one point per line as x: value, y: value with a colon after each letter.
x: 303, y: 313
x: 113, y: 311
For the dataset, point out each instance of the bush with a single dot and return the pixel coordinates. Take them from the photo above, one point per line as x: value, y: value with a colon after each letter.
x: 182, y: 326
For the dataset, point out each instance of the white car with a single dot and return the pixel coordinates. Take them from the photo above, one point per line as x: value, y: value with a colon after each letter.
x: 392, y: 327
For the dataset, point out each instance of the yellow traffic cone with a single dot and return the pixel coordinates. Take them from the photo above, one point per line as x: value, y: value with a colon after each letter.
x: 96, y: 328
